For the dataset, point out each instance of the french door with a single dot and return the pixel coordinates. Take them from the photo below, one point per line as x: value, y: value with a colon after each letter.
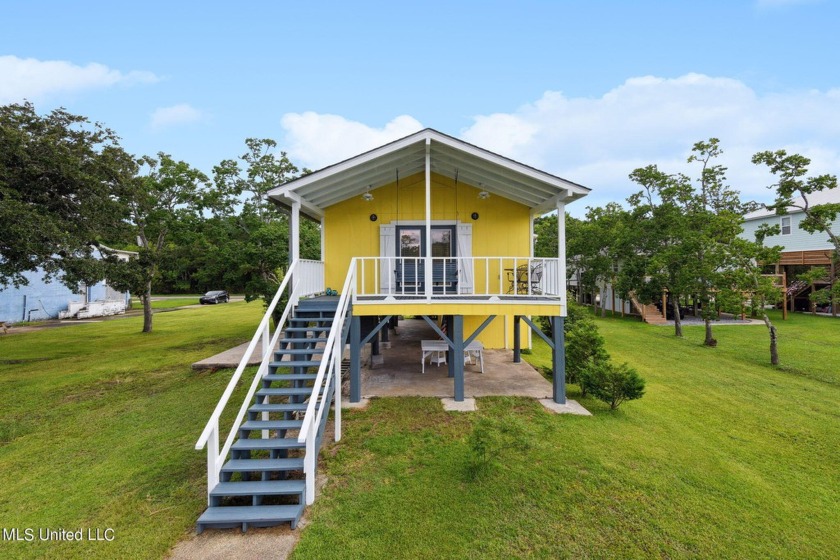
x: 411, y: 247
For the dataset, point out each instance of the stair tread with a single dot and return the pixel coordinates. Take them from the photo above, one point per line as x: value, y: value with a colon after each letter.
x: 284, y: 391
x: 250, y: 514
x: 296, y: 351
x: 312, y: 319
x: 306, y: 339
x: 267, y: 443
x: 306, y: 329
x: 277, y: 407
x: 294, y: 363
x: 259, y: 487
x: 271, y: 424
x: 247, y: 465
x: 290, y: 376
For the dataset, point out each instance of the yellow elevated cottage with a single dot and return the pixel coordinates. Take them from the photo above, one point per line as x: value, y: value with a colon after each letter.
x: 427, y: 226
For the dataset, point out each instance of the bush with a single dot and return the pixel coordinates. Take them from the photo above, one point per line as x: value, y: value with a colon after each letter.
x: 613, y: 384
x: 584, y: 344
x: 490, y: 438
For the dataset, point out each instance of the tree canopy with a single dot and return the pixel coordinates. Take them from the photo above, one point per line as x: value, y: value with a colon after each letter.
x: 58, y: 177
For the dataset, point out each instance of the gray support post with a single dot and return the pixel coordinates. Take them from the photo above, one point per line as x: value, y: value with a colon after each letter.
x: 458, y: 355
x: 355, y: 359
x: 517, y: 358
x: 558, y: 358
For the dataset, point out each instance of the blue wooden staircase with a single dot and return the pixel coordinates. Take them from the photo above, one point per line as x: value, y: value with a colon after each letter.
x: 261, y: 484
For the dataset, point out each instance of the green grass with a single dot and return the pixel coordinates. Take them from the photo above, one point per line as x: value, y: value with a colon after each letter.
x: 98, y: 424
x: 725, y: 457
x: 168, y: 303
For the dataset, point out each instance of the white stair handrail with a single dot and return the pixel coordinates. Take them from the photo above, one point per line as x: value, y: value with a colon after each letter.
x: 343, y: 302
x: 213, y: 423
x: 316, y: 408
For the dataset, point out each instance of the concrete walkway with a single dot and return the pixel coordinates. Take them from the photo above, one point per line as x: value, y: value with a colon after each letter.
x: 230, y: 358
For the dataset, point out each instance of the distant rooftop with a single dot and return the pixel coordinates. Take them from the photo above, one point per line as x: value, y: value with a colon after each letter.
x: 821, y: 197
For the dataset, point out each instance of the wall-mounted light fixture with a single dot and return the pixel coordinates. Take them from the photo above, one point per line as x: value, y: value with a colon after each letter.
x: 484, y: 195
x: 474, y: 215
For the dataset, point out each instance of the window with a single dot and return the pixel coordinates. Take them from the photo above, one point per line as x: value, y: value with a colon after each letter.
x: 785, y: 225
x: 412, y: 241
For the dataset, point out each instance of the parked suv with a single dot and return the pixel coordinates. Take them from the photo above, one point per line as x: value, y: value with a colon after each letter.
x: 215, y: 296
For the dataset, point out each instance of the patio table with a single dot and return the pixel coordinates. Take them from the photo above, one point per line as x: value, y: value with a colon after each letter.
x: 432, y: 347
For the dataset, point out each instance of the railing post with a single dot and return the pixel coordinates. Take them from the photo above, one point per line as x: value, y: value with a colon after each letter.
x: 309, y: 462
x: 337, y: 355
x: 212, y: 460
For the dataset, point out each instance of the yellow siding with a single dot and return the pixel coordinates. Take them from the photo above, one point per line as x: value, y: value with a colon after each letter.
x: 502, y: 229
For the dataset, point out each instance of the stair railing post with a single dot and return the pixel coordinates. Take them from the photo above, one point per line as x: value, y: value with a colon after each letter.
x: 266, y: 349
x: 337, y: 355
x: 309, y: 462
x: 212, y: 460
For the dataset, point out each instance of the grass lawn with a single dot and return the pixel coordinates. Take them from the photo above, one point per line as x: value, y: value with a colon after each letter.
x: 98, y: 424
x: 724, y: 457
x: 167, y: 303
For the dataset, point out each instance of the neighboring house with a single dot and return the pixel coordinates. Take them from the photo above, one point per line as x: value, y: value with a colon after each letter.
x: 427, y: 226
x: 800, y: 250
x: 40, y: 300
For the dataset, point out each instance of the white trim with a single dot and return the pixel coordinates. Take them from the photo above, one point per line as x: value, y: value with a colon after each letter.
x: 344, y: 179
x: 561, y: 250
x: 294, y: 227
x: 428, y: 269
x: 782, y: 225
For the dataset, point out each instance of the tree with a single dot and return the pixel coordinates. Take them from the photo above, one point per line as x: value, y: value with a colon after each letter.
x: 682, y: 237
x: 657, y: 255
x: 58, y: 173
x: 793, y: 191
x: 746, y: 279
x: 264, y: 245
x: 715, y: 216
x: 165, y: 193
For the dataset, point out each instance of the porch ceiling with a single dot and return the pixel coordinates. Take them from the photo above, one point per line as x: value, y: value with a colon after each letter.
x: 448, y: 156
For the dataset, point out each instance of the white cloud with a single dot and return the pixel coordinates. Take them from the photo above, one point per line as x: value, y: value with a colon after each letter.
x: 598, y: 141
x: 177, y: 114
x: 29, y: 78
x: 316, y: 140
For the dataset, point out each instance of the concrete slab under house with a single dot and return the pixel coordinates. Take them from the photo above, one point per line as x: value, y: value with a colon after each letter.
x: 428, y: 227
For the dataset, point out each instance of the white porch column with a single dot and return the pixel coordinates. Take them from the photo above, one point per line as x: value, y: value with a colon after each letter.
x: 294, y: 233
x: 428, y: 268
x: 322, y: 239
x: 561, y: 250
x: 531, y: 234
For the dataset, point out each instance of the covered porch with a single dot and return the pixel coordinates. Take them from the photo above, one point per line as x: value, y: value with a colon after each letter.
x: 397, y: 371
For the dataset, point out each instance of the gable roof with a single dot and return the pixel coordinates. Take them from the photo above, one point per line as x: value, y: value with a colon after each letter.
x: 820, y: 197
x: 407, y: 156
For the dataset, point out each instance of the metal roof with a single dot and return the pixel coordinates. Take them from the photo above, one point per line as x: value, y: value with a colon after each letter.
x: 828, y: 196
x: 449, y: 156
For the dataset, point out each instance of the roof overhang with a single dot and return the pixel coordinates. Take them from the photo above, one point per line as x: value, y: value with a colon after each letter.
x: 449, y: 157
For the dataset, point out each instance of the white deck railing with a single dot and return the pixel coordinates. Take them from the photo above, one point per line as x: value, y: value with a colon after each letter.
x: 497, y: 278
x: 305, y: 283
x: 311, y: 277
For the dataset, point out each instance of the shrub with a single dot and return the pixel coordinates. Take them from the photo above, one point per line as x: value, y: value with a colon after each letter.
x: 584, y: 344
x: 490, y: 438
x: 613, y: 384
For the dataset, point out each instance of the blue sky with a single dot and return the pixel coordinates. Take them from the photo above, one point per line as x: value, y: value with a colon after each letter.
x: 585, y: 90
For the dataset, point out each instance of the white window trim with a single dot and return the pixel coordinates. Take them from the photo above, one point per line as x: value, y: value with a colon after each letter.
x: 782, y: 225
